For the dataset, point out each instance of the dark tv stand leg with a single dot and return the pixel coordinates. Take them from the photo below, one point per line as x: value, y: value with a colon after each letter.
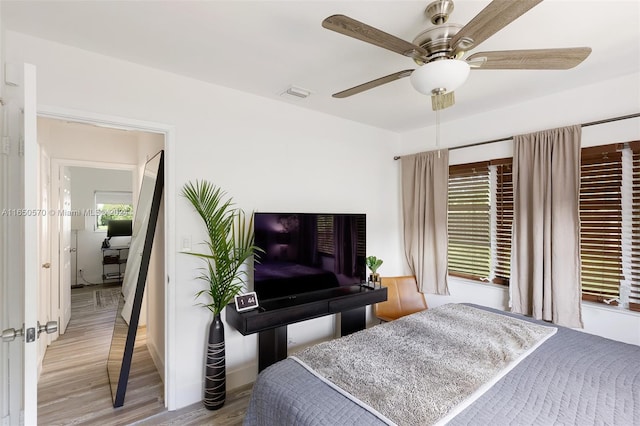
x: 353, y: 320
x: 272, y: 343
x: 272, y: 346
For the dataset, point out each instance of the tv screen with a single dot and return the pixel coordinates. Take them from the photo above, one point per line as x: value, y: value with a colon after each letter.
x: 305, y: 252
x: 119, y: 228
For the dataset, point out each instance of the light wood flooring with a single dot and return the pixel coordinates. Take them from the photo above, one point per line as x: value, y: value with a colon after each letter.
x: 74, y: 388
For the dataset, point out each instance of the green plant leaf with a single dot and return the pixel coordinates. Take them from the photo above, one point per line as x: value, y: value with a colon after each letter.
x: 230, y: 244
x: 373, y: 263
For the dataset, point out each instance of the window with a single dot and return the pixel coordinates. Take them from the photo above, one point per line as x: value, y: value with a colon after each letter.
x: 601, y: 222
x: 480, y: 220
x: 633, y: 275
x: 469, y: 248
x: 503, y: 223
x: 112, y: 205
x: 609, y: 222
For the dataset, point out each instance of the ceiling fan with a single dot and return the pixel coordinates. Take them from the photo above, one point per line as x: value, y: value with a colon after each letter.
x: 441, y: 50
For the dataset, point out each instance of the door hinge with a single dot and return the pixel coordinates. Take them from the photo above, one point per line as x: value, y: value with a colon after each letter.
x: 6, y: 145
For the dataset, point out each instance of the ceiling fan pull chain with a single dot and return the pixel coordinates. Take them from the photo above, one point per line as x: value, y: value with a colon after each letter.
x: 438, y: 131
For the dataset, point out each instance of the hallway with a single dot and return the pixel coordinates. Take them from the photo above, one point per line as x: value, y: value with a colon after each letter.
x: 73, y: 386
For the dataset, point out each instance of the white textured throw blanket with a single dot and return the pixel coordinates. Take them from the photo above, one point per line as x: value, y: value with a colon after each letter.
x: 424, y: 368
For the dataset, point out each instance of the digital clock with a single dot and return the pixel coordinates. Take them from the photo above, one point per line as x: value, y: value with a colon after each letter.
x: 246, y: 301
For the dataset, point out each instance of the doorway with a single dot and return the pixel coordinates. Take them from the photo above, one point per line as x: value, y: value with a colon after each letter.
x: 82, y: 146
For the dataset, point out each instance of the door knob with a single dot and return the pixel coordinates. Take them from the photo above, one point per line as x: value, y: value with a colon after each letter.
x: 10, y: 334
x: 49, y: 327
x: 46, y: 265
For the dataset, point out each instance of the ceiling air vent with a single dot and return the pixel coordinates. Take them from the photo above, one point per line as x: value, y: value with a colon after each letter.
x: 294, y: 92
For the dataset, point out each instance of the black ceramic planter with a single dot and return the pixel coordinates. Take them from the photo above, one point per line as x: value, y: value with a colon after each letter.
x: 215, y: 386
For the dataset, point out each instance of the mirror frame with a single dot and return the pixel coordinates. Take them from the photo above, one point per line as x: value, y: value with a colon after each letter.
x: 123, y: 376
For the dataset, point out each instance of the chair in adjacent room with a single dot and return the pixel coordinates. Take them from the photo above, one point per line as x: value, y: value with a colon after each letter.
x: 403, y: 298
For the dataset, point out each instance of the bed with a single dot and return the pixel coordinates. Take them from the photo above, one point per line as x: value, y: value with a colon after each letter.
x: 457, y: 365
x: 278, y: 279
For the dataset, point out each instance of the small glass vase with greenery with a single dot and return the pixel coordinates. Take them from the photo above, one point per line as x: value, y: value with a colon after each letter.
x: 230, y: 245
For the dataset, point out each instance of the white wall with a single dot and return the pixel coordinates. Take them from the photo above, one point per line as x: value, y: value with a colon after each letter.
x: 267, y: 155
x: 577, y: 106
x: 80, y: 141
x: 610, y: 98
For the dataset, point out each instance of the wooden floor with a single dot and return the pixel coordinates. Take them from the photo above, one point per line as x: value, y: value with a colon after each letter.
x: 231, y: 414
x: 74, y: 388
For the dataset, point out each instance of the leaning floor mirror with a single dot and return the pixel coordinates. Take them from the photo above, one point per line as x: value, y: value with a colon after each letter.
x: 135, y: 275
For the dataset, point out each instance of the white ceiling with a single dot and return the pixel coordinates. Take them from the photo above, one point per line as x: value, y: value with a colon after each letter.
x: 262, y: 47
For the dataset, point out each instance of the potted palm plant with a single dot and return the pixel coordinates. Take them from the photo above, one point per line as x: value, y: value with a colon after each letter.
x: 373, y: 263
x: 230, y: 244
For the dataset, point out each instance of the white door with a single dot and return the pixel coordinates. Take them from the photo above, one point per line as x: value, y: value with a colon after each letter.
x: 65, y: 248
x: 21, y: 255
x: 46, y: 310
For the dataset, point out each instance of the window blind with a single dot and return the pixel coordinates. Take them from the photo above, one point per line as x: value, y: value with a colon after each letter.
x: 634, y: 279
x: 469, y: 222
x: 361, y: 225
x: 601, y: 222
x: 325, y: 234
x: 503, y: 220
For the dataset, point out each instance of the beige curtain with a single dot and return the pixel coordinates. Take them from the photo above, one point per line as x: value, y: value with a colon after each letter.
x: 545, y: 257
x: 425, y: 181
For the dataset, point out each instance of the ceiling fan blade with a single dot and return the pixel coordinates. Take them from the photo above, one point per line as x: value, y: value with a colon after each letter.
x: 534, y: 59
x: 348, y: 26
x: 497, y: 15
x: 373, y: 83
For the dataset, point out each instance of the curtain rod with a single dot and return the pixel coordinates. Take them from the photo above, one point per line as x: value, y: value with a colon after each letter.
x: 591, y: 123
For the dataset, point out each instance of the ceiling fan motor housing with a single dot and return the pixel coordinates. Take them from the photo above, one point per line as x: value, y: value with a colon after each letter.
x: 438, y: 11
x: 436, y: 41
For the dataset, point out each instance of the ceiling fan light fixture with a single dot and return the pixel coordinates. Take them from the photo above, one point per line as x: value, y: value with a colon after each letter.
x: 443, y: 76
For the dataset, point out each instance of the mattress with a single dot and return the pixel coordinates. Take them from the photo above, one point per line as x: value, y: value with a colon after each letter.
x: 570, y: 378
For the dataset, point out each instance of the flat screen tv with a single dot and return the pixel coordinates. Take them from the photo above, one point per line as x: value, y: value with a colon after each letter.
x: 305, y: 252
x: 119, y: 228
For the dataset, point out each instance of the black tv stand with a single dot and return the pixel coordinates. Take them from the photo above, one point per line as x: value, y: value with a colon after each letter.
x: 273, y: 316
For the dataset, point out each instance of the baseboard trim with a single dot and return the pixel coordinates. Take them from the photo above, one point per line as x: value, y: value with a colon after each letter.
x: 157, y: 359
x: 242, y: 376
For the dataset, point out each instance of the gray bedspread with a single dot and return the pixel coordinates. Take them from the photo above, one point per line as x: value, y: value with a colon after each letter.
x: 573, y: 378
